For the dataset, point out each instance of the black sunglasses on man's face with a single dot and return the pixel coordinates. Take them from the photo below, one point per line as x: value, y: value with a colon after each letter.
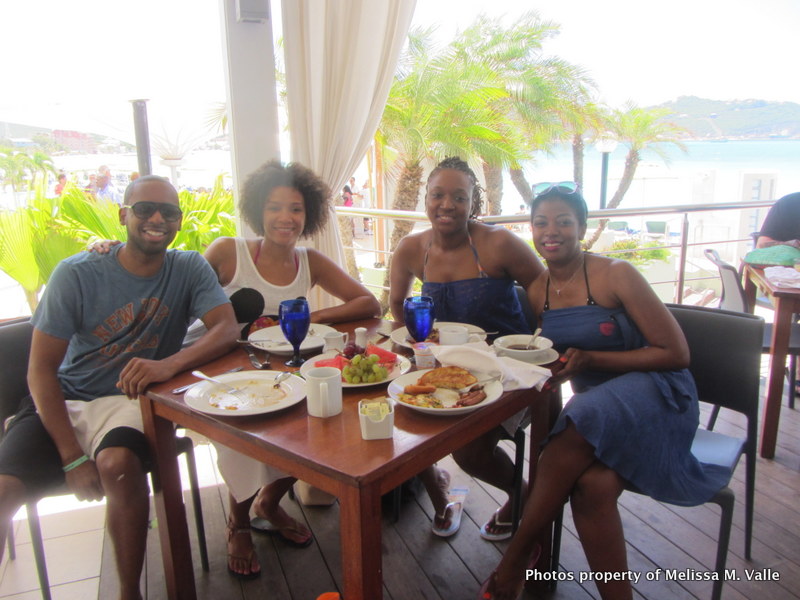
x: 145, y: 210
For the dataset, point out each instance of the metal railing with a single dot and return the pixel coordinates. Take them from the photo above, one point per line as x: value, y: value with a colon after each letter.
x: 681, y: 247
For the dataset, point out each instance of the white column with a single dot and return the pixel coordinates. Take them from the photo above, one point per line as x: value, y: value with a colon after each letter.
x: 250, y: 80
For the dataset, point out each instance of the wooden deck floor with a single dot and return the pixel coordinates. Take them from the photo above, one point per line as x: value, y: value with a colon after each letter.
x: 418, y: 565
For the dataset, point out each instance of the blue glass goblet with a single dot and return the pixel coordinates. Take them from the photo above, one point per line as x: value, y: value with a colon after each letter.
x: 418, y: 315
x: 295, y: 320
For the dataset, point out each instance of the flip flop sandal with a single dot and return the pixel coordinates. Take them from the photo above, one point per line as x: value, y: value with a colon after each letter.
x: 456, y: 506
x: 266, y: 526
x: 502, y: 531
x: 233, y: 532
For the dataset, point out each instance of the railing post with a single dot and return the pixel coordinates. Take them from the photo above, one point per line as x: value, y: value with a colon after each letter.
x: 682, y: 259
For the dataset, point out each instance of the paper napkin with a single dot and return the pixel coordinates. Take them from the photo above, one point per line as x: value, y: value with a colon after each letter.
x: 783, y: 276
x: 479, y: 357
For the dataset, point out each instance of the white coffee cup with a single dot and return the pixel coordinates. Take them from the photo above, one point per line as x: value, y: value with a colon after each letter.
x: 453, y: 335
x: 324, y: 391
x: 335, y: 340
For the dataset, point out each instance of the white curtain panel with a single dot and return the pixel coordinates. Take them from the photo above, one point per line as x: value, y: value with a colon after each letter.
x: 340, y: 58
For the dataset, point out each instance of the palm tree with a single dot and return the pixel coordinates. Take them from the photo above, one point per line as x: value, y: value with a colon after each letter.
x: 639, y: 128
x: 540, y: 89
x: 13, y: 165
x: 438, y: 107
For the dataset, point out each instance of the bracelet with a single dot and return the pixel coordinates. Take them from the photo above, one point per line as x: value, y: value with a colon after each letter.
x: 75, y: 463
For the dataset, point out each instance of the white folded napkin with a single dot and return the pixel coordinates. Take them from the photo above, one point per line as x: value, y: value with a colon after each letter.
x: 480, y: 357
x: 783, y: 276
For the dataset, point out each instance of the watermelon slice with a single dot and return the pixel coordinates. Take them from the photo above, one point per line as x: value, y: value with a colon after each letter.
x: 339, y: 361
x: 385, y: 357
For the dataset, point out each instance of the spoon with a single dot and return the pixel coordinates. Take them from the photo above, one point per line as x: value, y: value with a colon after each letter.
x: 533, y: 338
x: 221, y: 384
x: 282, y: 377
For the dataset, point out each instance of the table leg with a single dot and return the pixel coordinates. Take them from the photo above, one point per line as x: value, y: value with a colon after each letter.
x: 170, y: 511
x: 360, y: 515
x: 777, y: 367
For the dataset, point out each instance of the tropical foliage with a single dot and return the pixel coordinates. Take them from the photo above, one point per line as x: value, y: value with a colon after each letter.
x: 36, y: 237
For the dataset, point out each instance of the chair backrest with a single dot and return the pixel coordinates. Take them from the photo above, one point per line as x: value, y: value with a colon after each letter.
x: 725, y: 351
x: 530, y: 317
x: 15, y: 345
x: 733, y: 297
x: 618, y: 225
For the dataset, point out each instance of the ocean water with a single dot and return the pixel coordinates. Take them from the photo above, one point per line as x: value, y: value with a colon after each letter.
x: 707, y: 172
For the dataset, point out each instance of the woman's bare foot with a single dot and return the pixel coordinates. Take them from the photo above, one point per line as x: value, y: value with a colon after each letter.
x: 242, y: 557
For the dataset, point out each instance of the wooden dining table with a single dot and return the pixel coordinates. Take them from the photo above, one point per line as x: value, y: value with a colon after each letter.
x: 786, y: 302
x: 328, y: 453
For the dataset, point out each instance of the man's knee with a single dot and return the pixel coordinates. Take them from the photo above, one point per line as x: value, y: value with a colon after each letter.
x: 116, y: 463
x: 12, y: 495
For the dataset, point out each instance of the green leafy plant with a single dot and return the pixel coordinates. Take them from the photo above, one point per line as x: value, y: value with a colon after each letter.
x: 639, y: 253
x: 37, y: 236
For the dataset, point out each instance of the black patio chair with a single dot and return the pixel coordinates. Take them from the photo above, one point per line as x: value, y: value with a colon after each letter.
x: 733, y: 298
x: 15, y: 344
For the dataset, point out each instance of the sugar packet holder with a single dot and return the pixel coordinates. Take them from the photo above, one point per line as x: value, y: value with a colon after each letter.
x: 376, y: 417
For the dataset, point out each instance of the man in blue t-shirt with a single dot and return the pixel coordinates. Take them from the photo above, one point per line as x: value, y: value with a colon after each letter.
x: 107, y: 327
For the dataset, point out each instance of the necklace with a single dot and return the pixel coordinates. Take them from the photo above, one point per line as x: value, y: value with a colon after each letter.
x: 570, y: 280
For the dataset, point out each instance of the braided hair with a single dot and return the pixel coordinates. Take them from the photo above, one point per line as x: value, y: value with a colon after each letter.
x: 455, y: 162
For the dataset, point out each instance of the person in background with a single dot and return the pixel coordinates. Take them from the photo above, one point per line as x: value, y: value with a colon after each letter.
x: 133, y: 176
x: 62, y: 181
x: 106, y: 190
x: 470, y: 270
x: 93, y: 353
x: 635, y: 411
x: 782, y: 224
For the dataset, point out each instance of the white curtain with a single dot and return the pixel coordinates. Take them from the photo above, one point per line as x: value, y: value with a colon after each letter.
x: 340, y: 58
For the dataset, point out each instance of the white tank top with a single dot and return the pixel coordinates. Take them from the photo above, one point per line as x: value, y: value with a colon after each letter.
x: 247, y: 276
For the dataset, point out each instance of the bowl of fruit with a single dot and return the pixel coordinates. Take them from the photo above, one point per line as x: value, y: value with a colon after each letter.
x: 361, y: 366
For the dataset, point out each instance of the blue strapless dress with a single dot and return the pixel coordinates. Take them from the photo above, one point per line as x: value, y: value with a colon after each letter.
x: 483, y: 301
x: 641, y: 424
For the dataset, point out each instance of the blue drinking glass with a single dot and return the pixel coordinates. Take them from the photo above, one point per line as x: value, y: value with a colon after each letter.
x: 295, y: 320
x: 418, y: 315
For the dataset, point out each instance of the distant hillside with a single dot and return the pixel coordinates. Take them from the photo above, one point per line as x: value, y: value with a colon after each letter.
x: 736, y: 119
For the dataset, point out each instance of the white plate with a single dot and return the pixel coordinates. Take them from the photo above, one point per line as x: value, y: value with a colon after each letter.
x: 402, y: 365
x: 273, y: 341
x: 548, y: 355
x: 476, y: 334
x: 493, y: 389
x: 209, y: 398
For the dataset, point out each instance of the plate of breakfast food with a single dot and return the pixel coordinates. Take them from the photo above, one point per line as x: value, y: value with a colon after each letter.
x: 245, y: 393
x: 445, y: 391
x: 374, y: 366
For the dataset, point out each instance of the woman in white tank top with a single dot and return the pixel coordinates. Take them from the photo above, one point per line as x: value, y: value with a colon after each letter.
x: 282, y: 204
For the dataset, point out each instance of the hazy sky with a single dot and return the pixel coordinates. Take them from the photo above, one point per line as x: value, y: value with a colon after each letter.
x: 77, y: 64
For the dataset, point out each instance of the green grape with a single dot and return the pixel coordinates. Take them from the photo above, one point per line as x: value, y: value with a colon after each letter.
x: 356, y: 379
x: 356, y: 360
x: 348, y: 377
x: 373, y: 358
x: 371, y: 378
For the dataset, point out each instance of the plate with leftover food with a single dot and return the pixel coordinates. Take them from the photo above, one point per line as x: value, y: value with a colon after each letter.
x: 245, y: 393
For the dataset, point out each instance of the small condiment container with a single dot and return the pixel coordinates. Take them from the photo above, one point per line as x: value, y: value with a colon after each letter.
x: 376, y: 417
x: 423, y: 356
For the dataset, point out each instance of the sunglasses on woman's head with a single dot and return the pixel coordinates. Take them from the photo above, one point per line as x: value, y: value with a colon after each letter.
x: 145, y: 210
x: 564, y: 187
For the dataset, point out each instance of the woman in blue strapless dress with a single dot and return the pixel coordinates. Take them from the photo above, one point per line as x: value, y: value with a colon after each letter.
x: 469, y: 268
x: 633, y: 417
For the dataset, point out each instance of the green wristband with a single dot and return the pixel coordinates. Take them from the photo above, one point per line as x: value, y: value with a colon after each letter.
x: 75, y: 463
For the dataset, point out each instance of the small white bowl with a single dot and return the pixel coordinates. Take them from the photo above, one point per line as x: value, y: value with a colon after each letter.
x: 537, y: 353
